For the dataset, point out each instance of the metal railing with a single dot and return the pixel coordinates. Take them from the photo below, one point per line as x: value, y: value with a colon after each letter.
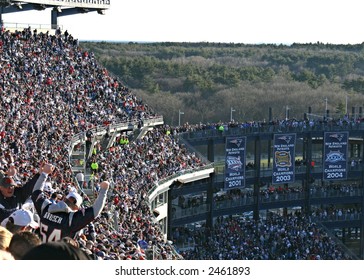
x: 177, y: 174
x: 269, y: 128
x: 40, y: 27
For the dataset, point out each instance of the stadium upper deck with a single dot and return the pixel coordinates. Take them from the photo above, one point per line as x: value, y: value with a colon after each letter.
x: 100, y: 4
x: 59, y: 7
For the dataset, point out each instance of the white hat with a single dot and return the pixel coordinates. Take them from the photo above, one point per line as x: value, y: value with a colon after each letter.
x: 48, y: 187
x: 76, y: 196
x: 21, y: 218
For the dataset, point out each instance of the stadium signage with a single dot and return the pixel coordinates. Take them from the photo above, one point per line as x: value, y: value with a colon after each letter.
x: 284, y: 158
x: 235, y: 162
x: 335, y: 155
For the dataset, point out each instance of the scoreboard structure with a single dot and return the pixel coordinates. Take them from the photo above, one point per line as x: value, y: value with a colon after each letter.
x: 58, y: 8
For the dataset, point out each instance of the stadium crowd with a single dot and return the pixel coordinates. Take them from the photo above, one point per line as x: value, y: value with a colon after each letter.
x: 50, y: 90
x: 291, y: 237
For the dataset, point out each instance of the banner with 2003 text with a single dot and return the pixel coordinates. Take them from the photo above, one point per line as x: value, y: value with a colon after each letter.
x: 284, y: 158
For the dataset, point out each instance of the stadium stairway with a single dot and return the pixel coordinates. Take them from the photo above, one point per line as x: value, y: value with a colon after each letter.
x: 143, y: 131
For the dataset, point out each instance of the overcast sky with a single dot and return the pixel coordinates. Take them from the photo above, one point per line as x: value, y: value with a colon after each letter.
x: 238, y: 21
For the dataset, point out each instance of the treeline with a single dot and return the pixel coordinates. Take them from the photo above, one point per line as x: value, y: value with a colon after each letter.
x: 211, y: 82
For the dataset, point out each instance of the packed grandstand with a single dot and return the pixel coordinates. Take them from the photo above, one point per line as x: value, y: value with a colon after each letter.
x: 51, y: 89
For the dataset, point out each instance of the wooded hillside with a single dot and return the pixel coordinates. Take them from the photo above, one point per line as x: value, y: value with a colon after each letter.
x: 209, y: 82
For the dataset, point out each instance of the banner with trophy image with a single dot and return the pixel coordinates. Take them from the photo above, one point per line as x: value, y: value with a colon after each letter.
x: 284, y: 158
x: 335, y: 155
x: 235, y: 162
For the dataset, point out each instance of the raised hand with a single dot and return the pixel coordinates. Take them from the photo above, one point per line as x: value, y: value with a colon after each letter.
x: 47, y: 168
x: 104, y: 185
x: 11, y: 172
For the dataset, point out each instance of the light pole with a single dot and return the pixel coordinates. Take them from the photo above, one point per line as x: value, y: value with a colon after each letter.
x: 287, y: 108
x: 325, y: 107
x: 231, y: 113
x: 179, y: 117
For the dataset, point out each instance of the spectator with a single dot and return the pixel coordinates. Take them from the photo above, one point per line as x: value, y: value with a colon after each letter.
x: 80, y: 177
x: 70, y: 241
x: 22, y: 242
x: 5, y: 255
x: 57, y: 250
x: 94, y: 167
x: 5, y: 238
x: 11, y: 195
x: 64, y: 218
x: 20, y: 220
x: 55, y: 197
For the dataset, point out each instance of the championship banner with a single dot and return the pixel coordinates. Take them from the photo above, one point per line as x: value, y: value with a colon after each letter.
x: 335, y: 155
x: 284, y: 158
x: 235, y: 162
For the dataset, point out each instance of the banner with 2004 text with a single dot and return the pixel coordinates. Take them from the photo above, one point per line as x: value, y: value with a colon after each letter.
x: 335, y: 155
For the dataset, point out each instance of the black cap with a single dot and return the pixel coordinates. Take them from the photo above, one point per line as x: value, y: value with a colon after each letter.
x: 7, y: 182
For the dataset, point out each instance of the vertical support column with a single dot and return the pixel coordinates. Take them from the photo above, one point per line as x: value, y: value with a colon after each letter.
x: 54, y: 18
x: 210, y: 200
x: 359, y: 149
x: 270, y: 117
x: 361, y: 252
x: 269, y: 153
x: 169, y: 215
x: 307, y: 185
x: 257, y: 183
x: 270, y: 141
x: 211, y: 150
x: 210, y: 191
